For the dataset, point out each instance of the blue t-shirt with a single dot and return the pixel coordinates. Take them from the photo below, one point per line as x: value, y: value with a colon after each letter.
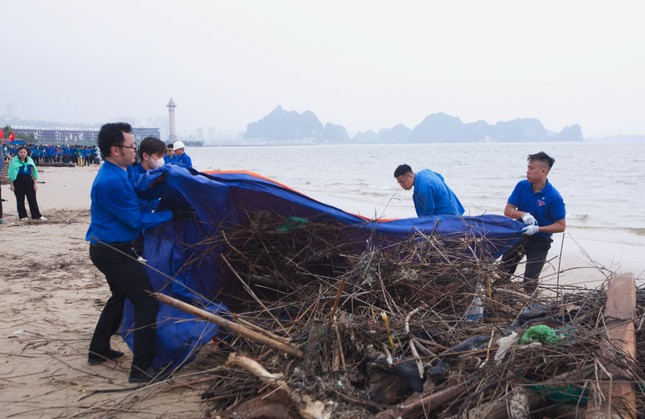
x: 24, y: 169
x: 116, y: 215
x: 433, y: 197
x: 169, y: 159
x: 547, y: 206
x: 184, y: 160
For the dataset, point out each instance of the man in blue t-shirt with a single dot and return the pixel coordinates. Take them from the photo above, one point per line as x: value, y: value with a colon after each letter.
x: 116, y: 220
x: 180, y: 155
x: 541, y: 208
x: 170, y: 154
x: 431, y: 194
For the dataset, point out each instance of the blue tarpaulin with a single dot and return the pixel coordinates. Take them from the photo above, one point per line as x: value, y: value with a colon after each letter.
x: 224, y: 201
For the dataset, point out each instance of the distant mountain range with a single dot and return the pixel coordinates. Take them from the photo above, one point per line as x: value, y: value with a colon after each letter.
x: 281, y: 126
x: 438, y: 127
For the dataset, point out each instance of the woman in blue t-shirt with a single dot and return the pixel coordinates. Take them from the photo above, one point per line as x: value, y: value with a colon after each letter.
x: 23, y: 175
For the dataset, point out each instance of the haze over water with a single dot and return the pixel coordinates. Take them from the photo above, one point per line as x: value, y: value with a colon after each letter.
x: 599, y: 181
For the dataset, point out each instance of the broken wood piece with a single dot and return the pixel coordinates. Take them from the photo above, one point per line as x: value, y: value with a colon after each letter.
x: 413, y: 347
x: 229, y: 325
x: 307, y: 407
x: 615, y: 396
x: 419, y: 404
x: 258, y: 329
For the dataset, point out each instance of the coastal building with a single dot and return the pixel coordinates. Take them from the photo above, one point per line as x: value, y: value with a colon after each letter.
x: 78, y: 136
x: 160, y: 122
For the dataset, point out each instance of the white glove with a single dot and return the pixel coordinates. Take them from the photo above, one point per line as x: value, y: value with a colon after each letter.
x: 530, y: 230
x: 529, y: 220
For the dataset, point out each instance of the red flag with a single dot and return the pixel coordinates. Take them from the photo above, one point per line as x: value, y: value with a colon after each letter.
x: 12, y: 136
x: 1, y: 134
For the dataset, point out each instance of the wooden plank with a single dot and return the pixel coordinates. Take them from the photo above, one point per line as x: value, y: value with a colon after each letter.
x: 231, y: 326
x: 616, y: 397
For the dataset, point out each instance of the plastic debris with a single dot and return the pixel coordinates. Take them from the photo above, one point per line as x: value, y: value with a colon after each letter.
x: 534, y: 311
x: 475, y: 311
x: 539, y: 333
x: 291, y: 223
x: 504, y: 344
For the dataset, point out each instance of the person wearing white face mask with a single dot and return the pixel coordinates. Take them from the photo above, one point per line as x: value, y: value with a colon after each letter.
x: 151, y: 156
x: 151, y: 153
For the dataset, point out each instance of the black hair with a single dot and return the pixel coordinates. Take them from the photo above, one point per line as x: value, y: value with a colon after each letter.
x: 543, y: 158
x: 169, y: 145
x: 111, y: 134
x: 403, y: 169
x: 23, y: 147
x: 151, y: 145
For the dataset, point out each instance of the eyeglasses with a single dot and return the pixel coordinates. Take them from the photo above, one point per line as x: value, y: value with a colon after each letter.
x: 133, y: 146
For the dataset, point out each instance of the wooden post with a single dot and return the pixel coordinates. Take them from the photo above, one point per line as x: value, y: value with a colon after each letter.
x: 616, y: 397
x: 231, y: 326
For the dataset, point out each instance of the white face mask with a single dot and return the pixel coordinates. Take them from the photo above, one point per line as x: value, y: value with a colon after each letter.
x: 156, y: 163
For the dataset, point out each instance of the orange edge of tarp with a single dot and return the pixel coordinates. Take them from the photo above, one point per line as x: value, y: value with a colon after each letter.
x: 247, y: 172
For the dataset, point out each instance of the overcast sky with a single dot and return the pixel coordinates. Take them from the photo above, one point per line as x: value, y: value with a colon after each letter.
x: 361, y: 64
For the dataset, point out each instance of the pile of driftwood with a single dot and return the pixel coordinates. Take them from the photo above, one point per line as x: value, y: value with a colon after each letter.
x: 324, y: 324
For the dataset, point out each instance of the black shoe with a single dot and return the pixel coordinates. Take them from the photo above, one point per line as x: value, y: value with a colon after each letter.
x: 95, y: 359
x: 151, y: 375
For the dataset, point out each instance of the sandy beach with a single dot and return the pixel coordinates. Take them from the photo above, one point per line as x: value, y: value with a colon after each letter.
x: 51, y: 299
x: 52, y: 296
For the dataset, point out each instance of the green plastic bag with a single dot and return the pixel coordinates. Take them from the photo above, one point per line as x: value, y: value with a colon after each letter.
x: 291, y: 223
x: 539, y: 333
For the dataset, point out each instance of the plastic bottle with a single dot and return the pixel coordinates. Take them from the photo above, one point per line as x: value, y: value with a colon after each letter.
x: 475, y: 310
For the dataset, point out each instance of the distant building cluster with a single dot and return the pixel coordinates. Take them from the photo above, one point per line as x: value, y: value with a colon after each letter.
x: 78, y: 136
x: 45, y: 132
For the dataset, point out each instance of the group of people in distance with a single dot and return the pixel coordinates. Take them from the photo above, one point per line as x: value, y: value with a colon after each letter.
x: 118, y: 218
x: 81, y: 155
x: 534, y: 201
x: 23, y: 172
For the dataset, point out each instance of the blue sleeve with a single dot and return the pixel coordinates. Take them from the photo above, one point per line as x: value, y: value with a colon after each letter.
x: 147, y: 184
x: 123, y: 204
x: 428, y: 200
x: 423, y: 199
x: 514, y: 199
x: 187, y: 161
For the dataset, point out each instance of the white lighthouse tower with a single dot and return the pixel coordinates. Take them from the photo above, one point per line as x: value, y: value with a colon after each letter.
x: 172, y: 137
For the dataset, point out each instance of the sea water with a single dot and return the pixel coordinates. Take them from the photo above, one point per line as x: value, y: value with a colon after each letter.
x: 601, y: 183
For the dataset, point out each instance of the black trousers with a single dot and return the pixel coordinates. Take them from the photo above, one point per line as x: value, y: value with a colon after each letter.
x: 536, y: 250
x: 24, y: 186
x: 126, y: 278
